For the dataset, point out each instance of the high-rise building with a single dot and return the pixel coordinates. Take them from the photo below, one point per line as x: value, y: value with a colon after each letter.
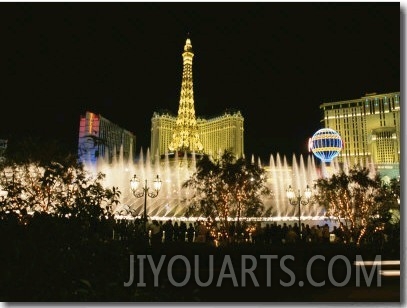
x: 370, y: 129
x: 99, y: 137
x: 188, y: 133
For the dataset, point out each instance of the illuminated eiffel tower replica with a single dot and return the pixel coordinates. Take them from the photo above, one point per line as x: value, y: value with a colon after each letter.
x: 185, y: 139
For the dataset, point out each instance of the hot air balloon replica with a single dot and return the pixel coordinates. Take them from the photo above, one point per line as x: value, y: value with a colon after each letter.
x: 326, y: 144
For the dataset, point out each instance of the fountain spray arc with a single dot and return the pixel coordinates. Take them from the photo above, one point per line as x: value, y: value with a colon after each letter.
x: 173, y: 200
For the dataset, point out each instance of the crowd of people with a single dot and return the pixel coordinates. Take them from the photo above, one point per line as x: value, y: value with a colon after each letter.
x: 207, y: 231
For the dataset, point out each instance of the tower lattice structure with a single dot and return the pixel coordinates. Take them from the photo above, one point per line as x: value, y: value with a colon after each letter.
x: 186, y: 136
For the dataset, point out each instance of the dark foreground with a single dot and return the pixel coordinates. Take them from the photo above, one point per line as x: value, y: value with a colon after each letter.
x: 73, y: 270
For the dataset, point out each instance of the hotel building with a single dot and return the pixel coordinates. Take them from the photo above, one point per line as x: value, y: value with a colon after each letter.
x: 191, y: 134
x: 370, y: 130
x: 99, y: 137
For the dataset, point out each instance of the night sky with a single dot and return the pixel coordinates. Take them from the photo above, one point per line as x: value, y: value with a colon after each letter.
x: 275, y: 62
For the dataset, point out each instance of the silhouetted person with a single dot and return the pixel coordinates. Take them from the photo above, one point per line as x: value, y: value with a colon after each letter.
x: 175, y: 231
x: 201, y: 233
x: 190, y: 233
x: 169, y: 231
x: 155, y: 234
x: 182, y: 231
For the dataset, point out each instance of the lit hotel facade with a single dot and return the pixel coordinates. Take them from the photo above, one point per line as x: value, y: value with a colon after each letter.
x: 216, y: 134
x: 370, y: 130
x: 191, y: 134
x: 100, y: 138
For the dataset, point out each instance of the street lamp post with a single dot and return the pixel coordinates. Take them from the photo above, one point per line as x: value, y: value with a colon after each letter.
x: 298, y: 200
x: 134, y: 185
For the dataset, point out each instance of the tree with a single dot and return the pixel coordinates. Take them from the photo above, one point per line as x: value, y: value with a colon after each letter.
x: 355, y: 197
x: 54, y: 187
x: 227, y: 187
x: 388, y: 216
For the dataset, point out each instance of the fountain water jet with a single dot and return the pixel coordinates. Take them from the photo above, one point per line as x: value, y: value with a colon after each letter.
x: 298, y: 175
x: 173, y: 200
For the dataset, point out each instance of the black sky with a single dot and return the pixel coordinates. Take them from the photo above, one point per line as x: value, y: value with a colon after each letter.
x: 275, y: 62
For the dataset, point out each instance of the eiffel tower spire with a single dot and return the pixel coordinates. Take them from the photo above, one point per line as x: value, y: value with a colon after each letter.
x: 186, y: 136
